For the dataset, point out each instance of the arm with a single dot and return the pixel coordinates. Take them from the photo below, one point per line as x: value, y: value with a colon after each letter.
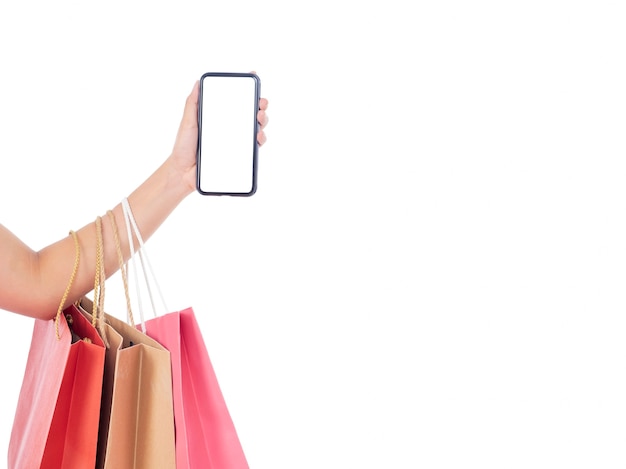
x: 32, y: 283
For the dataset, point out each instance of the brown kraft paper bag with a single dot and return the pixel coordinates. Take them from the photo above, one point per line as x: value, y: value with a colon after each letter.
x: 137, y: 413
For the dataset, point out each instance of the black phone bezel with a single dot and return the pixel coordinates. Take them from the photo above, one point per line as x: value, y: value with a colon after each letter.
x: 255, y: 146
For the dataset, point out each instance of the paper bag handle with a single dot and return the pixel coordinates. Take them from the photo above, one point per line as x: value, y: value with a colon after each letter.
x: 97, y: 316
x: 69, y: 284
x: 131, y: 227
x: 123, y: 268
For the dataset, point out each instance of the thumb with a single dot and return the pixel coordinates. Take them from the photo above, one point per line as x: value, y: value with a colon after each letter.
x: 190, y: 114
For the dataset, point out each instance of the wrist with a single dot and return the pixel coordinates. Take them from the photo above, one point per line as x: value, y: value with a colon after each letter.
x: 181, y: 180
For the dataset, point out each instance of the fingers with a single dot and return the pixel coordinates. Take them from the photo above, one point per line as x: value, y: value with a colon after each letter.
x: 263, y: 119
x: 261, y: 138
x: 262, y: 115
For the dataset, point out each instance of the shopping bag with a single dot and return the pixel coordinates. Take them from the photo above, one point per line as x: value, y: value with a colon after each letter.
x: 56, y: 419
x: 137, y: 416
x: 206, y: 436
x: 205, y: 433
x: 115, y: 342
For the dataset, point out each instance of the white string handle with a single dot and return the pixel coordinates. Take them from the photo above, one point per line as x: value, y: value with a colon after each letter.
x: 131, y: 247
x: 131, y: 226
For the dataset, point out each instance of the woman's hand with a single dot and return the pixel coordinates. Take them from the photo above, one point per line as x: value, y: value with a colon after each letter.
x: 183, y: 156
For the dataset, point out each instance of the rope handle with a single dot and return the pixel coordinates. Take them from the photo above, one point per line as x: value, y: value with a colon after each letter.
x: 131, y: 226
x: 97, y: 317
x: 98, y: 292
x: 69, y: 284
x: 123, y: 267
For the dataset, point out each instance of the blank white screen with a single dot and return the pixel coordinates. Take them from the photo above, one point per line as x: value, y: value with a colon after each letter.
x: 227, y: 134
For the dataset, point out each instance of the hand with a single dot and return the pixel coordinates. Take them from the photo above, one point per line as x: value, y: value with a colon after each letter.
x: 183, y: 156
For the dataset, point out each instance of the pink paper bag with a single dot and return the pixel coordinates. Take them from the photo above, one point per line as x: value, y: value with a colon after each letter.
x: 205, y: 434
x: 56, y: 420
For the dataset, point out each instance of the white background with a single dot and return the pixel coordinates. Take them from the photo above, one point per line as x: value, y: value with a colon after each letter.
x: 432, y: 273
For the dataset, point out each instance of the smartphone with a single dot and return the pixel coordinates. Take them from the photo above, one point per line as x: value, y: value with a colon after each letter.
x: 227, y: 129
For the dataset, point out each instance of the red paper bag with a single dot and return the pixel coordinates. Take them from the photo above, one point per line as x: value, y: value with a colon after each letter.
x: 58, y: 410
x: 57, y: 416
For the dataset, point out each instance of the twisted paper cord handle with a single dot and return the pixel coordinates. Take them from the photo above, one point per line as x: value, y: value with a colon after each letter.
x: 97, y: 283
x: 123, y: 269
x: 97, y: 318
x: 69, y: 285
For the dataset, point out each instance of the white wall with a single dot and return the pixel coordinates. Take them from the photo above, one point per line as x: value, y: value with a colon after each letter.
x: 433, y: 271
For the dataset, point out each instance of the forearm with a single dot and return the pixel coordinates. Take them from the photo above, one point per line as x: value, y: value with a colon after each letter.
x: 33, y: 283
x: 50, y: 269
